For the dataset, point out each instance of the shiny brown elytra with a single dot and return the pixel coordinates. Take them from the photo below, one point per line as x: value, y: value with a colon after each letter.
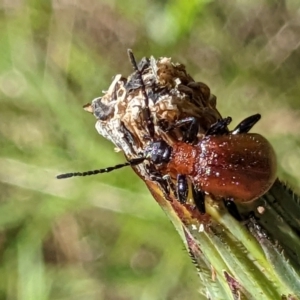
x: 241, y: 167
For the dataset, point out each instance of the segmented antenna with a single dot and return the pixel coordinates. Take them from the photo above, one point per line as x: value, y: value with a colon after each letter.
x: 132, y: 162
x: 148, y: 117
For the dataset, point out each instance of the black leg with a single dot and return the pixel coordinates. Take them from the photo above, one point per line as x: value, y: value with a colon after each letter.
x: 171, y: 185
x: 189, y: 135
x: 199, y: 199
x: 232, y: 209
x: 165, y: 188
x: 156, y: 176
x: 182, y: 188
x: 220, y: 127
x: 164, y: 185
x: 246, y: 124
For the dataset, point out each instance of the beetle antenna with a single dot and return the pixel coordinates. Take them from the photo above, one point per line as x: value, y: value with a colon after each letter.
x: 132, y: 162
x: 148, y: 117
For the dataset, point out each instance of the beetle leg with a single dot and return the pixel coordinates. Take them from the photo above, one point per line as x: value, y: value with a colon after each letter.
x: 163, y: 183
x: 180, y: 123
x: 165, y: 187
x: 189, y: 135
x: 246, y: 124
x: 199, y: 199
x: 182, y: 188
x: 232, y: 208
x: 220, y: 127
x: 171, y: 185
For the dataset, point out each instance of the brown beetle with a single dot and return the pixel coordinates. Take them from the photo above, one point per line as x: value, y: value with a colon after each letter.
x: 239, y: 166
x: 229, y: 165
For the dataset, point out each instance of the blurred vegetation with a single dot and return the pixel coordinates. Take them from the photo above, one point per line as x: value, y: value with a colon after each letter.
x: 104, y: 237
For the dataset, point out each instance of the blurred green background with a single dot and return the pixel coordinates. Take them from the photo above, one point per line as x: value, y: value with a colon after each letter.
x: 104, y: 237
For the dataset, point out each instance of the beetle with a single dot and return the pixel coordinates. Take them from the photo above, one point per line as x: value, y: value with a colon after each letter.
x: 233, y: 166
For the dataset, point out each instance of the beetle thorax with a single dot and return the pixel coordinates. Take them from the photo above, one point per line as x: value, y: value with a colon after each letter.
x: 183, y: 159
